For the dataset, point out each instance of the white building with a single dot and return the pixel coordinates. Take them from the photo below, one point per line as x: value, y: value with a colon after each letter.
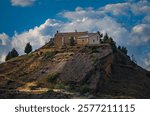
x: 89, y: 39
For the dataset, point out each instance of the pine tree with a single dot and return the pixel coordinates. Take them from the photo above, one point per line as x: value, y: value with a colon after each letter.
x: 8, y: 57
x: 119, y: 47
x: 28, y: 48
x: 112, y: 43
x: 71, y: 41
x: 12, y: 54
x: 123, y: 49
x: 100, y: 34
x: 106, y: 38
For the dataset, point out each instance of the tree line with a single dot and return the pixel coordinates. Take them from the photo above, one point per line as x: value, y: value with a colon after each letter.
x: 13, y: 53
x: 109, y: 40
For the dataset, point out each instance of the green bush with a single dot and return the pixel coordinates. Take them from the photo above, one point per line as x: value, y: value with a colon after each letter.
x: 33, y: 87
x: 12, y: 54
x: 72, y: 42
x: 84, y: 89
x: 50, y: 90
x: 52, y: 77
x: 60, y: 86
x: 28, y: 48
x: 49, y: 55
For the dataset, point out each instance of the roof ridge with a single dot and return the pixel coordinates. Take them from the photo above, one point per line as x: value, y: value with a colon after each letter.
x: 71, y: 32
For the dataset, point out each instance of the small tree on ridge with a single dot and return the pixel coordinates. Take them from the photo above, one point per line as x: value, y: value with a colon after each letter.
x: 28, y: 48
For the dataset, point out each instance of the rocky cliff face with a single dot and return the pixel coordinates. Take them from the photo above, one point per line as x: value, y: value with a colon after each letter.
x: 73, y: 72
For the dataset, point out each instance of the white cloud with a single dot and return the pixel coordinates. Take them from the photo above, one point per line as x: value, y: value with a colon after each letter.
x: 146, y: 19
x: 140, y: 34
x: 5, y: 46
x: 135, y: 7
x: 81, y: 13
x: 93, y: 20
x: 22, y: 3
x: 4, y: 39
x: 141, y: 7
x: 37, y: 36
x: 90, y: 19
x: 117, y: 9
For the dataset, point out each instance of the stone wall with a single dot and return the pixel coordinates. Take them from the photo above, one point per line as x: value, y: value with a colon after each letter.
x: 61, y: 39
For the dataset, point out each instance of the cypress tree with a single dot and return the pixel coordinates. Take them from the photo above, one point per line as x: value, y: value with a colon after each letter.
x: 28, y: 48
x: 12, y: 54
x: 71, y: 41
x: 8, y: 57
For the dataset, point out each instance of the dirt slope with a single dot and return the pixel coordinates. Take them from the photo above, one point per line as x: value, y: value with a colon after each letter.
x: 73, y: 72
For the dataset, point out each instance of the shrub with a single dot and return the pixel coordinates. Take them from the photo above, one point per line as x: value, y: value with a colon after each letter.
x: 84, y: 89
x: 52, y: 77
x: 50, y: 90
x: 72, y: 41
x: 123, y: 49
x: 12, y: 54
x: 49, y: 55
x: 28, y: 48
x: 60, y: 86
x: 72, y: 87
x: 33, y: 87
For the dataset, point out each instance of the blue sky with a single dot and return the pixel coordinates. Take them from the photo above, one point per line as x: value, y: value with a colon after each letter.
x: 35, y: 21
x: 20, y: 18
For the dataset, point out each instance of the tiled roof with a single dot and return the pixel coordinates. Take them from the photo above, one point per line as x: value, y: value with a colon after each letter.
x: 72, y: 33
x: 87, y: 35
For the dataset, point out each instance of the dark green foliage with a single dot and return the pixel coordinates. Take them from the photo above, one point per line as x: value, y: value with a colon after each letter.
x: 50, y: 90
x: 33, y: 87
x: 113, y: 44
x: 100, y: 34
x: 106, y: 38
x: 12, y: 54
x: 28, y: 48
x: 52, y: 77
x: 119, y: 47
x: 8, y: 57
x: 123, y: 49
x: 48, y: 55
x: 60, y: 86
x: 71, y: 41
x: 84, y: 89
x: 110, y: 41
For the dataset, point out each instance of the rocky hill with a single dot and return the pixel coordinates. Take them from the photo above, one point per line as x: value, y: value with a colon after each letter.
x: 73, y: 72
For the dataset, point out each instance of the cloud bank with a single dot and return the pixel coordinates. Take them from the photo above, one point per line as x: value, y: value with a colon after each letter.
x: 22, y: 3
x: 115, y: 19
x: 5, y: 46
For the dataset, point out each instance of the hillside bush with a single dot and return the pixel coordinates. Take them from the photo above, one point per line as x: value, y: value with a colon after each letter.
x: 48, y: 55
x: 51, y: 77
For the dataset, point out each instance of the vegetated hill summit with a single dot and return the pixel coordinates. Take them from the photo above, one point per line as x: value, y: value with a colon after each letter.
x: 73, y: 72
